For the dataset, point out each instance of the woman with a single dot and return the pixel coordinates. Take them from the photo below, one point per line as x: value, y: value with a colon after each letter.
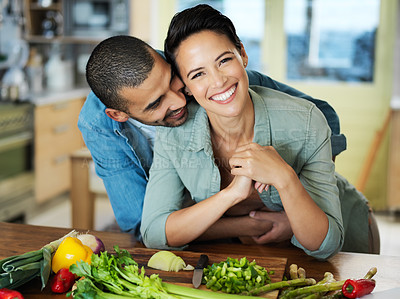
x: 242, y: 150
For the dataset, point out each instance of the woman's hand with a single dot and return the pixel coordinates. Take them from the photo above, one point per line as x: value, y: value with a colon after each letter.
x: 263, y: 164
x: 240, y: 188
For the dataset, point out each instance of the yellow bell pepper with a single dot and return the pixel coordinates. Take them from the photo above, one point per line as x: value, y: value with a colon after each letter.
x: 69, y: 252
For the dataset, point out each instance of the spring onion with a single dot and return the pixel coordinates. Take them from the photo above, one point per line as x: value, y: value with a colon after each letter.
x: 19, y: 269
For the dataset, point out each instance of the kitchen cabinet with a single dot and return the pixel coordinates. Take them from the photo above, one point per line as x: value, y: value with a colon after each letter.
x: 56, y: 136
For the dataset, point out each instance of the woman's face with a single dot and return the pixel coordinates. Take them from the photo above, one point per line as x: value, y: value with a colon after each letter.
x: 213, y: 70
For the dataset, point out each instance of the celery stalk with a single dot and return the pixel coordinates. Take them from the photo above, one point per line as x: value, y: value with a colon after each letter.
x: 185, y: 292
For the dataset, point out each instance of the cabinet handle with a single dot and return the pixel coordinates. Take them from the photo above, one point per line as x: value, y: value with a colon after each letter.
x: 61, y: 128
x: 60, y: 159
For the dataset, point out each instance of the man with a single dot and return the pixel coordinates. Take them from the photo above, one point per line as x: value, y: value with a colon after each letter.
x: 134, y: 90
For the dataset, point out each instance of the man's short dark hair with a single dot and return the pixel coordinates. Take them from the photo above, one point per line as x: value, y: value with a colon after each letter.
x: 117, y: 62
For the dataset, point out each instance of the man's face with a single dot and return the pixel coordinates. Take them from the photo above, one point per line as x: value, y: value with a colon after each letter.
x: 158, y: 101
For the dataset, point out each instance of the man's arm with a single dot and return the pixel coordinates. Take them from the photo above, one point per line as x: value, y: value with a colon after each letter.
x: 115, y: 163
x: 338, y: 140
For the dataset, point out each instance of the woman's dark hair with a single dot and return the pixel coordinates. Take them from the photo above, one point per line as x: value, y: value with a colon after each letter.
x: 193, y: 20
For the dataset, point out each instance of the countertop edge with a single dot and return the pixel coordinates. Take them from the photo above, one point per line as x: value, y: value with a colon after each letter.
x: 49, y: 97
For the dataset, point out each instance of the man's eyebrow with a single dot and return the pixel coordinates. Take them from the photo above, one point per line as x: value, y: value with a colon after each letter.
x: 152, y: 104
x: 156, y: 102
x: 216, y: 59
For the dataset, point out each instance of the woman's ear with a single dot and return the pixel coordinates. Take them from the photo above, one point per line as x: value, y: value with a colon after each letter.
x: 243, y: 54
x: 117, y: 115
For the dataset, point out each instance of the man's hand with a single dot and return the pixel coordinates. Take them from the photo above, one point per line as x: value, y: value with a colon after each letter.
x: 280, y: 231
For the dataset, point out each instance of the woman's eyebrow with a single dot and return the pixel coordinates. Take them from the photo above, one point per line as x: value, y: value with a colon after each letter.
x: 216, y: 59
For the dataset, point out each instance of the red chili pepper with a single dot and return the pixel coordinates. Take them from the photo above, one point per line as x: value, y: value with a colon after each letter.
x: 10, y: 294
x: 63, y: 281
x: 357, y: 288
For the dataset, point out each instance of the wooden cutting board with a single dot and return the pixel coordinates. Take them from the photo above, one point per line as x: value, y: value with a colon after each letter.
x: 142, y: 255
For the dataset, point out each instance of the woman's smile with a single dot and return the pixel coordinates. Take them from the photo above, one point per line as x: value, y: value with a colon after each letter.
x: 225, y: 97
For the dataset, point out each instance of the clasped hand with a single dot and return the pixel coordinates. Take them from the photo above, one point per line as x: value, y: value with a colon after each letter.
x: 263, y: 164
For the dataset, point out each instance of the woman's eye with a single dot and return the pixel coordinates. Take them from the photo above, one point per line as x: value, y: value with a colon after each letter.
x: 225, y: 60
x: 196, y: 75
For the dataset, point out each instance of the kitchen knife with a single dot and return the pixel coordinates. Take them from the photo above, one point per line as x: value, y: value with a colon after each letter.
x: 198, y: 270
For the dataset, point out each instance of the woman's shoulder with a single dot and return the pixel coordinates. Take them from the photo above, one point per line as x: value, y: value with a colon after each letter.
x: 280, y: 106
x: 279, y: 100
x: 180, y: 136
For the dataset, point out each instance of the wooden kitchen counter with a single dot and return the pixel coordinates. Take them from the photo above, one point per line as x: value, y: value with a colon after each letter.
x: 20, y: 238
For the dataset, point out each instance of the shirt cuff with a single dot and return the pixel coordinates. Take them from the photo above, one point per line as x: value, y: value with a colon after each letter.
x: 331, y: 245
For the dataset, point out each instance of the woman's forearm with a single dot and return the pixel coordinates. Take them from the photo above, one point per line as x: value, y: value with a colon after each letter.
x: 309, y: 223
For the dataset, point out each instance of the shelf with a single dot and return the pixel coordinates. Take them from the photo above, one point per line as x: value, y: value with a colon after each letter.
x: 55, y: 6
x: 63, y: 39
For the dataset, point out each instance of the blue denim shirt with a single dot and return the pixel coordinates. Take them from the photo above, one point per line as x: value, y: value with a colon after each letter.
x: 123, y: 155
x: 183, y: 159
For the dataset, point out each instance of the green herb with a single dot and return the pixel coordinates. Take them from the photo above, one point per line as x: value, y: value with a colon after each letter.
x: 19, y: 269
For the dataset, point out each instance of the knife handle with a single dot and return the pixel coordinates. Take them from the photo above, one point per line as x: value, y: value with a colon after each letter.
x: 203, y: 262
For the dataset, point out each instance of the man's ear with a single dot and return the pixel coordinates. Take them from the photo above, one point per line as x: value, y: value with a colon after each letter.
x: 117, y: 115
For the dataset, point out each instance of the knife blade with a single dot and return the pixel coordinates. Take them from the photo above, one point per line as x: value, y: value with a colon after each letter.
x: 198, y: 270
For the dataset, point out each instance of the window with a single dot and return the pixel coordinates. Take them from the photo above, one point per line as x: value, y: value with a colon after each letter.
x: 331, y: 40
x: 248, y: 18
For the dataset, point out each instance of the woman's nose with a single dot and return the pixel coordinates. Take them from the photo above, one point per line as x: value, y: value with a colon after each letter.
x: 217, y: 78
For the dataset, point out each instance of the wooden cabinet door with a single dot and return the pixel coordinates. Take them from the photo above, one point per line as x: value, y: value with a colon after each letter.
x: 56, y: 137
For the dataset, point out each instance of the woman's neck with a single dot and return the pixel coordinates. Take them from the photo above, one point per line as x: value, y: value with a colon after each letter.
x: 233, y: 131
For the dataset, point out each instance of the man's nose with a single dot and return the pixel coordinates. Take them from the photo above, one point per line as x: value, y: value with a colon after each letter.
x: 176, y: 99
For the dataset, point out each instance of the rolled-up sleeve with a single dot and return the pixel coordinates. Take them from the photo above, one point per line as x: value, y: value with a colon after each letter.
x: 318, y: 178
x: 164, y: 195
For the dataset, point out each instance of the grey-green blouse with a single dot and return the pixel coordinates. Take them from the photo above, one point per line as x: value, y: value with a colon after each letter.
x: 183, y: 160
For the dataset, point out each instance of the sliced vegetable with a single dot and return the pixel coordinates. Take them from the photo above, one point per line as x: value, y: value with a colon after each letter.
x: 69, y: 252
x: 63, y: 281
x: 93, y: 242
x: 118, y: 276
x: 10, y: 294
x: 19, y: 269
x: 235, y: 276
x: 166, y: 261
x: 357, y: 288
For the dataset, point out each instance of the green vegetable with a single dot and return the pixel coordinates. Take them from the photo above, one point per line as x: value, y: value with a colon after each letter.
x: 118, y: 276
x: 19, y: 269
x: 235, y: 276
x: 317, y: 288
x: 281, y: 284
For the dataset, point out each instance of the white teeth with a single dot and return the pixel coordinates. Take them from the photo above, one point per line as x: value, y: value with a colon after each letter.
x: 224, y: 96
